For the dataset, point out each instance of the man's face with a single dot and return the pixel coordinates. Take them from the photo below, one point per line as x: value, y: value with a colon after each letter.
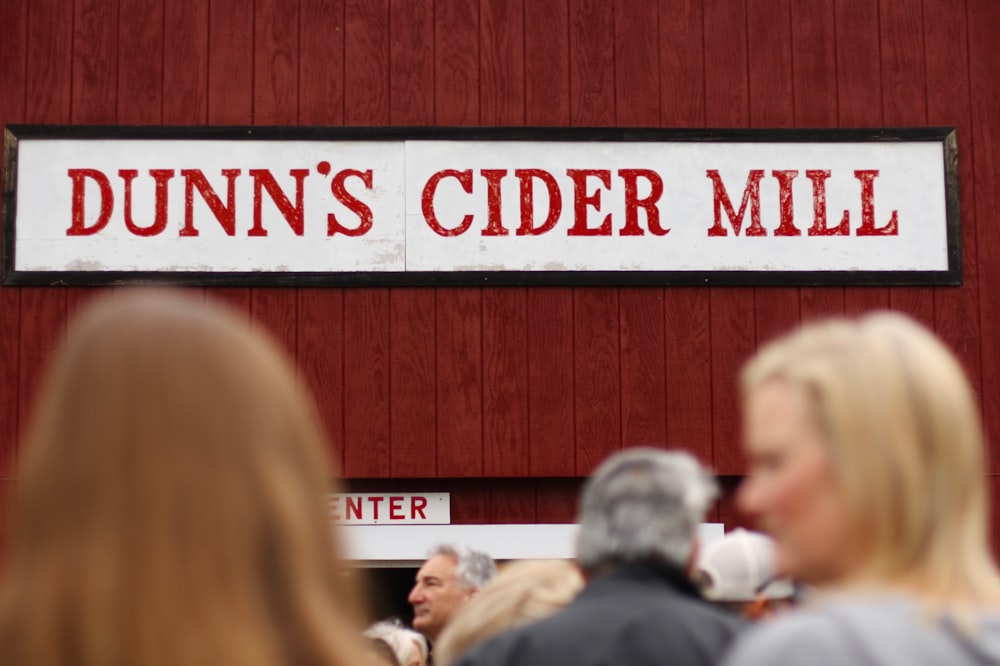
x: 436, y: 595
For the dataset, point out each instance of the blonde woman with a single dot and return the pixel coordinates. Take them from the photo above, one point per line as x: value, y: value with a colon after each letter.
x: 866, y: 466
x: 170, y: 506
x: 522, y: 592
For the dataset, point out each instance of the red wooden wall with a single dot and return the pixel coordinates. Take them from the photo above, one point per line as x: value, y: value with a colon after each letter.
x: 520, y: 385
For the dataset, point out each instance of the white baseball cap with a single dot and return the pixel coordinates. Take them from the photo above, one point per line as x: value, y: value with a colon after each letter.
x: 740, y: 567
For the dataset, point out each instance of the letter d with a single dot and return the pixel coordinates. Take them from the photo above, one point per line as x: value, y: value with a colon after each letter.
x: 79, y: 227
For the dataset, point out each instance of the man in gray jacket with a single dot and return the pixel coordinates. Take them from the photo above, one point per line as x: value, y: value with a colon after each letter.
x: 639, y: 517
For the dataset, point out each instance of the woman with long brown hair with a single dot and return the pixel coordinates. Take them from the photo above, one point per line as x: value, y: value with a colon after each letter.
x: 170, y: 504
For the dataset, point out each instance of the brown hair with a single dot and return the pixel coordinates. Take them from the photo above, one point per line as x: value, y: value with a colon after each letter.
x: 170, y: 507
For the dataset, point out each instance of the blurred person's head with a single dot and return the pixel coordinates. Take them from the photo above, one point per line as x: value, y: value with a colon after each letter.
x: 866, y: 458
x: 409, y: 646
x: 643, y: 505
x: 449, y: 578
x: 522, y: 592
x: 738, y: 571
x: 170, y: 506
x: 381, y: 653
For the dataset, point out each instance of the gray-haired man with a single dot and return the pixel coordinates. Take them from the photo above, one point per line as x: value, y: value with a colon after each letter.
x: 446, y: 581
x: 639, y: 517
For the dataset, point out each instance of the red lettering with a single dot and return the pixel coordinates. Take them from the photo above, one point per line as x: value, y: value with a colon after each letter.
x: 354, y: 506
x: 787, y: 210
x: 751, y: 194
x: 225, y: 214
x: 868, y: 228
x: 464, y: 178
x: 355, y: 205
x: 633, y: 202
x: 78, y: 226
x: 417, y: 505
x: 581, y: 200
x: 396, y: 508
x: 162, y: 178
x: 819, y: 228
x: 294, y: 216
x: 526, y: 176
x: 494, y: 225
x: 375, y: 501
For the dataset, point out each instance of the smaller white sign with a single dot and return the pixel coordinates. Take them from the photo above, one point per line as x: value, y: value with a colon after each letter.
x: 390, y: 508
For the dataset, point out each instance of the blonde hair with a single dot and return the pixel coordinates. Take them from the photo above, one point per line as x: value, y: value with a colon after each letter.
x: 522, y: 592
x: 906, y: 442
x: 170, y: 508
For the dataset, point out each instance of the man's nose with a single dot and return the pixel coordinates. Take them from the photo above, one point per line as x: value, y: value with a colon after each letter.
x: 416, y: 596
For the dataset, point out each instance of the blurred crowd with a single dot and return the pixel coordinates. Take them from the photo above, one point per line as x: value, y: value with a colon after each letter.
x: 170, y: 510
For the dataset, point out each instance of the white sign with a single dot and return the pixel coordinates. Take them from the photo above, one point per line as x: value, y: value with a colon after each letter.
x: 409, y: 544
x: 390, y: 508
x: 831, y: 207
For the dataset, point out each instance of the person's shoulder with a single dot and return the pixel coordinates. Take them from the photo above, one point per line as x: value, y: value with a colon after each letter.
x: 496, y: 650
x: 813, y: 636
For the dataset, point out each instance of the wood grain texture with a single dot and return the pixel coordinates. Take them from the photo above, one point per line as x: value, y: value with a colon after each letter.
x: 456, y: 62
x: 733, y: 321
x: 459, y: 373
x: 688, y: 358
x: 597, y: 376
x: 505, y: 383
x: 366, y: 383
x: 95, y: 61
x: 551, y: 350
x: 557, y: 500
x: 513, y: 501
x: 637, y: 66
x: 413, y: 412
x: 13, y: 83
x: 682, y: 63
x: 141, y: 62
x: 956, y: 310
x: 859, y: 86
x: 984, y: 58
x: 546, y: 63
x: 411, y: 63
x: 501, y: 62
x: 321, y: 62
x: 643, y: 368
x: 319, y: 350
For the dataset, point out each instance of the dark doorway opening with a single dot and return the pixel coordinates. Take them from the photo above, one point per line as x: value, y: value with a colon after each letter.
x: 389, y: 589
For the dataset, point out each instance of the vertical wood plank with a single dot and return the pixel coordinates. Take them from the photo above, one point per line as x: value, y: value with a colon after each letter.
x: 470, y: 502
x: 48, y: 99
x: 456, y: 62
x: 637, y: 52
x: 413, y: 341
x: 557, y: 500
x: 141, y: 62
x: 682, y: 63
x: 366, y: 311
x: 637, y: 102
x: 505, y: 310
x: 771, y: 104
x: 320, y: 324
x: 597, y: 371
x: 546, y: 63
x: 366, y: 383
x: 275, y: 102
x: 411, y: 60
x: 505, y: 383
x: 459, y: 370
x: 513, y: 501
x: 859, y: 88
x: 228, y: 94
x: 597, y: 376
x: 502, y: 67
x: 550, y: 310
x: 904, y: 103
x: 94, y: 86
x: 814, y: 84
x: 946, y: 46
x: 733, y: 322
x: 319, y: 346
x: 552, y: 423
x: 459, y: 312
x: 13, y: 81
x: 984, y: 59
x: 687, y: 335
